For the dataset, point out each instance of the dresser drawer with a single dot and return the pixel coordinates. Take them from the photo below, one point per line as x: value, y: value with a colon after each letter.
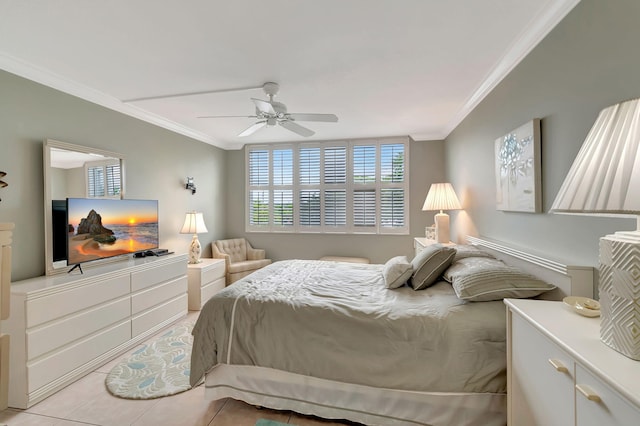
x: 151, y: 318
x: 154, y: 296
x: 541, y: 378
x: 606, y: 408
x: 217, y: 270
x: 62, y: 332
x: 59, y: 363
x: 150, y: 277
x: 208, y: 291
x: 43, y: 309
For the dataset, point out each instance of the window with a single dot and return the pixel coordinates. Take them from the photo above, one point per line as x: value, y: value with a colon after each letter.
x: 103, y: 179
x: 347, y: 187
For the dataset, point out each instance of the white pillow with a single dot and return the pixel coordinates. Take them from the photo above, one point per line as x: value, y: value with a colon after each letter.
x: 397, y: 271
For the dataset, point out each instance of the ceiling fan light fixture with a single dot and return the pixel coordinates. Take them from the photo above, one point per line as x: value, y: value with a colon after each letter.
x: 270, y: 113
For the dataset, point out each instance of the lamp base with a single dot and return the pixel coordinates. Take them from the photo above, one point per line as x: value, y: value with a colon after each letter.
x: 619, y: 288
x: 194, y: 250
x: 442, y: 228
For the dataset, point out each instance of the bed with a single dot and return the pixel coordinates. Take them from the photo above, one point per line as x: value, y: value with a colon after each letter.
x: 330, y: 339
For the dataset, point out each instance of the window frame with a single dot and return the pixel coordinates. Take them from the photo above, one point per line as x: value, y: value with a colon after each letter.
x: 349, y: 186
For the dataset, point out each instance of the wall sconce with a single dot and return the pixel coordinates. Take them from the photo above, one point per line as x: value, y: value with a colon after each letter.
x: 190, y: 185
x: 2, y: 183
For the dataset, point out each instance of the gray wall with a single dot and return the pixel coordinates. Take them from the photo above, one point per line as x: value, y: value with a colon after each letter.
x: 588, y: 62
x: 157, y: 162
x: 426, y: 165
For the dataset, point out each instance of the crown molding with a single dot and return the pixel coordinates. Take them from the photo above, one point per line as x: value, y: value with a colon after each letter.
x: 529, y: 38
x: 31, y: 72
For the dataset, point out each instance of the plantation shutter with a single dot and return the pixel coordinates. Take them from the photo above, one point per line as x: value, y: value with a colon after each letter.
x: 310, y: 207
x: 113, y: 180
x: 392, y: 194
x: 335, y: 165
x: 364, y: 164
x: 259, y: 177
x: 283, y: 187
x: 335, y: 208
x: 364, y: 208
x: 335, y: 179
x: 95, y: 182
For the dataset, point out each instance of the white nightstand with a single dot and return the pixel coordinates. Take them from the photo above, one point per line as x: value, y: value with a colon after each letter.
x: 419, y: 243
x: 205, y: 279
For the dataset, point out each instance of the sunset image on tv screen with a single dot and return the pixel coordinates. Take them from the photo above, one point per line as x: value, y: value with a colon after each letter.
x: 99, y: 228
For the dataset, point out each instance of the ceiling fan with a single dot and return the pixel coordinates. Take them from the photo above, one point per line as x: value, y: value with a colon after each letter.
x: 270, y: 113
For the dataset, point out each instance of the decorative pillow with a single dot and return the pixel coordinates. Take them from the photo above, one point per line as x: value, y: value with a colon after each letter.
x: 397, y: 271
x: 429, y: 265
x: 480, y: 279
x: 466, y: 250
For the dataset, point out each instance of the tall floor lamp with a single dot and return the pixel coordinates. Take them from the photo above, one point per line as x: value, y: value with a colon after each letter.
x: 194, y: 224
x: 441, y: 196
x: 605, y: 180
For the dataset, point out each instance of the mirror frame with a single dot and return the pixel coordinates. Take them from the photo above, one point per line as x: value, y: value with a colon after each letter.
x: 47, y: 146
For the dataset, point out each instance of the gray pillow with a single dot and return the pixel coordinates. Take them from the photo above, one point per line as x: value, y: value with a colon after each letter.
x: 480, y: 279
x: 397, y: 271
x: 467, y: 250
x: 429, y: 264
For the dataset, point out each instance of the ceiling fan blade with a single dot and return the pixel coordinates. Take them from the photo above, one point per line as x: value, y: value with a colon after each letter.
x: 253, y: 128
x: 264, y: 106
x: 228, y: 116
x: 296, y: 128
x: 327, y: 118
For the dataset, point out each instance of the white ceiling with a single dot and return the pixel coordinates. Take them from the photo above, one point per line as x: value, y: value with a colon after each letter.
x: 384, y: 67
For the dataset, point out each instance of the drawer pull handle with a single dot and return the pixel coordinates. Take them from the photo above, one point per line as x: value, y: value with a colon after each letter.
x: 558, y: 365
x: 588, y: 393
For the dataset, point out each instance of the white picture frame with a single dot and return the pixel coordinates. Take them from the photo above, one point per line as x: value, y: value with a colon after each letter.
x: 518, y: 169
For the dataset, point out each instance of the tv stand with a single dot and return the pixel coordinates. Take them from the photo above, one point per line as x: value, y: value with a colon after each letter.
x: 77, y: 265
x: 63, y: 327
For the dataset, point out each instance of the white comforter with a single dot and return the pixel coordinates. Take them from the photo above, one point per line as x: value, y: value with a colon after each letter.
x: 337, y: 321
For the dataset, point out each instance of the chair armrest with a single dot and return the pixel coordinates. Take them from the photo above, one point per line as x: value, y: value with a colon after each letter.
x: 254, y: 254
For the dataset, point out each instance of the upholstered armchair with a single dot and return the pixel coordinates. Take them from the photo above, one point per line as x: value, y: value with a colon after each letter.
x: 240, y: 258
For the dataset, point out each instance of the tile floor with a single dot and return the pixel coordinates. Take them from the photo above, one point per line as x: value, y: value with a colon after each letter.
x: 87, y: 402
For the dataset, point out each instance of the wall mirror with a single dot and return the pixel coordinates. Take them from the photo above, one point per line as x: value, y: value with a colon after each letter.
x: 74, y: 171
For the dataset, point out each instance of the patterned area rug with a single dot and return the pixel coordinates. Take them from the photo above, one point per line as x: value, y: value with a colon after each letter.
x: 159, y: 368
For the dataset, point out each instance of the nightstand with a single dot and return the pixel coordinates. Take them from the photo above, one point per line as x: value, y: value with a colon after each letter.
x: 420, y: 243
x: 205, y: 279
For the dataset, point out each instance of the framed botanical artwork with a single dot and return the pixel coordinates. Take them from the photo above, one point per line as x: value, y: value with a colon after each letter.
x: 517, y: 169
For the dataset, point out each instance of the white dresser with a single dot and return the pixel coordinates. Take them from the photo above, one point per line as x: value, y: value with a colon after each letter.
x: 65, y: 326
x: 560, y: 373
x: 205, y: 279
x: 5, y: 286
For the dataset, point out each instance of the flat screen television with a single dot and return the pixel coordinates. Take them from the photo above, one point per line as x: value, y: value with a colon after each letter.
x: 101, y: 228
x: 59, y: 229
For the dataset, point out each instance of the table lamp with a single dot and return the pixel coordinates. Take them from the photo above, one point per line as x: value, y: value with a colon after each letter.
x: 441, y: 196
x: 605, y: 180
x: 194, y: 224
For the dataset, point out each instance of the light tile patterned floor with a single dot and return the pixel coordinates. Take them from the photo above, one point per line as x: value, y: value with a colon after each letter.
x: 87, y: 402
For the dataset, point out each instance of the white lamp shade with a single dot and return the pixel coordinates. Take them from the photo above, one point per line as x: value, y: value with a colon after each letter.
x: 193, y: 224
x: 441, y: 196
x: 605, y: 176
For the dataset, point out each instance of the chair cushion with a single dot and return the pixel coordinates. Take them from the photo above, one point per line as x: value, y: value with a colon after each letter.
x: 236, y: 248
x: 248, y: 265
